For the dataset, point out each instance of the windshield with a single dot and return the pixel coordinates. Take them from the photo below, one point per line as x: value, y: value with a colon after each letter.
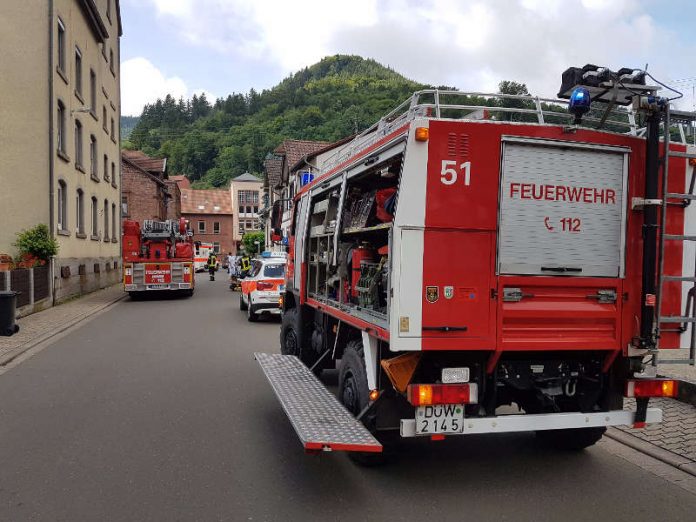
x: 274, y: 271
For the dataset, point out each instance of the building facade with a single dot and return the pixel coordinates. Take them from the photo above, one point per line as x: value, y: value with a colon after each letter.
x: 60, y: 154
x: 210, y: 217
x: 246, y: 193
x: 143, y: 195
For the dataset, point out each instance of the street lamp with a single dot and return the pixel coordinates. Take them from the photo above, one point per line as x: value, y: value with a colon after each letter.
x: 257, y: 243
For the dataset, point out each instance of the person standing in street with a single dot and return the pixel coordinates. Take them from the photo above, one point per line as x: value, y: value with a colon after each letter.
x: 231, y: 263
x: 212, y: 265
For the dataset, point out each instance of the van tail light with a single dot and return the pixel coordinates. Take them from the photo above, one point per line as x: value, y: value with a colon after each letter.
x: 642, y: 388
x: 128, y: 274
x: 428, y: 394
x: 264, y: 285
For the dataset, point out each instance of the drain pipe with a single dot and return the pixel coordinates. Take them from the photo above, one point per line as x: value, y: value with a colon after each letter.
x: 51, y: 152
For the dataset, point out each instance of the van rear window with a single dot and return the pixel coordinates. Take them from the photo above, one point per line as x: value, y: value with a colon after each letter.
x: 274, y: 271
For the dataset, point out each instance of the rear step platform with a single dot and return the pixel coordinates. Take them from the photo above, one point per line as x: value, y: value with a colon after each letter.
x: 321, y: 422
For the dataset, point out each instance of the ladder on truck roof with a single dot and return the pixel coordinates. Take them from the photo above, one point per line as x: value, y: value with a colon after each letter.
x: 321, y: 422
x: 668, y: 200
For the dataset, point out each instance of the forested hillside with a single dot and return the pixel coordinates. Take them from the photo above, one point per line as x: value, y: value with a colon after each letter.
x: 128, y: 123
x: 212, y: 142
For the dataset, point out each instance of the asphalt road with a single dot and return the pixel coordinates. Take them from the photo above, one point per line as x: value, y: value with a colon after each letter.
x: 155, y: 410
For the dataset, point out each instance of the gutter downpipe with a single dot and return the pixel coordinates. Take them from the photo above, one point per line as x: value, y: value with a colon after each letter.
x: 51, y: 158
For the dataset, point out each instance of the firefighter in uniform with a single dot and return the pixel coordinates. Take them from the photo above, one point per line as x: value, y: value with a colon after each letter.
x: 245, y: 265
x: 212, y: 265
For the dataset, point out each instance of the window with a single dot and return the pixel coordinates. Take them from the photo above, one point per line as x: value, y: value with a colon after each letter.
x: 61, y: 46
x: 80, y: 213
x: 78, y: 144
x: 95, y: 218
x: 256, y: 209
x: 216, y: 248
x: 201, y: 227
x: 276, y: 271
x: 113, y: 221
x: 113, y: 174
x: 93, y: 92
x: 113, y: 130
x: 62, y: 221
x: 106, y: 220
x: 78, y: 72
x: 106, y: 168
x: 216, y: 227
x: 111, y: 61
x: 124, y: 205
x: 93, y: 157
x: 60, y: 127
x: 104, y: 118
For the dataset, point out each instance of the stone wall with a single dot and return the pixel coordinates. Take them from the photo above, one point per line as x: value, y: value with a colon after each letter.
x: 78, y: 276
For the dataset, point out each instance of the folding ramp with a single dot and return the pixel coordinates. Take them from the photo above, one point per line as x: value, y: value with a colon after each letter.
x: 321, y: 422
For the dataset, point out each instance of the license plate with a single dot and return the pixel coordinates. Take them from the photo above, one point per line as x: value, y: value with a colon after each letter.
x: 440, y: 418
x: 158, y: 287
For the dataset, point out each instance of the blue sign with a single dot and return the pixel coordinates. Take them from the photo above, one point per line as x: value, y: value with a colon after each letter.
x: 306, y: 177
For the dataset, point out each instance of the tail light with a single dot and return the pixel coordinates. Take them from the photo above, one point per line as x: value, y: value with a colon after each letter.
x: 187, y: 273
x: 264, y: 285
x: 428, y: 394
x: 641, y: 388
x: 128, y: 274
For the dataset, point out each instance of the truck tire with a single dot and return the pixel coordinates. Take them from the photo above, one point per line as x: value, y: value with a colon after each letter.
x: 575, y: 439
x: 242, y: 303
x: 354, y: 394
x: 289, y: 338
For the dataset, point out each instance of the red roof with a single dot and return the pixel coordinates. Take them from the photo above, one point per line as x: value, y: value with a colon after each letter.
x: 195, y: 201
x: 155, y: 165
x: 181, y: 180
x: 295, y: 150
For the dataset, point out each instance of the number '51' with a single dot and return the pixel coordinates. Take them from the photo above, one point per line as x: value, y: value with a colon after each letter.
x: 449, y: 174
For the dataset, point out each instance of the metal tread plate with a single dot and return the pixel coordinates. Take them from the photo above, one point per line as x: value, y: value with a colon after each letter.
x: 321, y: 422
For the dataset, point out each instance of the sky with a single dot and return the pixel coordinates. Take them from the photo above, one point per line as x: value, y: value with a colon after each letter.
x: 182, y: 47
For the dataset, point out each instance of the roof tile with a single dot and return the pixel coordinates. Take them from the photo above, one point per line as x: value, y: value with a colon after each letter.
x: 194, y: 201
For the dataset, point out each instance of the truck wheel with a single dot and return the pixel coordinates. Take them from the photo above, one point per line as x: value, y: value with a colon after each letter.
x: 570, y: 439
x: 242, y: 303
x: 135, y: 296
x: 289, y: 339
x: 355, y: 396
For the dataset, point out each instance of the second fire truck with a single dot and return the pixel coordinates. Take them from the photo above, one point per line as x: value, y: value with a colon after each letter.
x: 157, y: 257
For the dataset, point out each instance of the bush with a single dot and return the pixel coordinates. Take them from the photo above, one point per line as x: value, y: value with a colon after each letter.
x: 36, y: 246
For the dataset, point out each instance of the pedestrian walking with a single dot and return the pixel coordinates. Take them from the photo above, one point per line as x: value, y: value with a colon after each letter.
x: 212, y: 265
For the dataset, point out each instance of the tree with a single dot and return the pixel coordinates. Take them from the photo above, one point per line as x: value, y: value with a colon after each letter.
x: 36, y: 245
x: 516, y: 89
x: 250, y: 239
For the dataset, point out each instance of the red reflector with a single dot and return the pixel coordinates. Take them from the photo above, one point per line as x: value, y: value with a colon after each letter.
x: 427, y: 394
x: 652, y: 388
x: 263, y: 285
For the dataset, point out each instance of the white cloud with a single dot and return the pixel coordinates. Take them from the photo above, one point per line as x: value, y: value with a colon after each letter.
x: 142, y: 82
x: 469, y: 44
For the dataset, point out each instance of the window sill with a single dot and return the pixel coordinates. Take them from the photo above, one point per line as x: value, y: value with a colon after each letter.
x: 112, y: 105
x: 113, y: 185
x: 107, y: 240
x: 62, y: 74
x: 93, y: 115
x: 80, y: 168
x: 95, y: 238
x: 62, y: 155
x: 106, y: 94
x: 114, y: 240
x: 113, y: 138
x: 80, y: 235
x: 94, y: 177
x: 106, y: 179
x: 78, y: 95
x: 62, y: 232
x: 106, y: 131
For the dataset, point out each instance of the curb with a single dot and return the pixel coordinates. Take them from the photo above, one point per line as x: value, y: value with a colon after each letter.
x: 677, y: 461
x: 8, y: 358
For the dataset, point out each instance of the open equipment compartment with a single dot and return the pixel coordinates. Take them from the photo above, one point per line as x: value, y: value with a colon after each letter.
x: 349, y: 239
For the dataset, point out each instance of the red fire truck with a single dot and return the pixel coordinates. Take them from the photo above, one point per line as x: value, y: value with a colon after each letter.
x: 491, y: 267
x: 157, y: 257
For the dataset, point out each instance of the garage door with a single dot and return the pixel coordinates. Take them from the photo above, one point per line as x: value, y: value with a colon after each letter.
x: 562, y: 209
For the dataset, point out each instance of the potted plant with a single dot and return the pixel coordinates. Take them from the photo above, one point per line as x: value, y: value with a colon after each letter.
x: 36, y: 246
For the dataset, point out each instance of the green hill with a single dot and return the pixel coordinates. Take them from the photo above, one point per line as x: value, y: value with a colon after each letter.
x: 128, y: 123
x: 212, y: 143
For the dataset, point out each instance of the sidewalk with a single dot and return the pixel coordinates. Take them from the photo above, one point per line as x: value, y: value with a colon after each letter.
x: 40, y: 326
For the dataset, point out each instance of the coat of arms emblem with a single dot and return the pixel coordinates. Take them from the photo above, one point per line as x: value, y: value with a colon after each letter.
x: 432, y: 293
